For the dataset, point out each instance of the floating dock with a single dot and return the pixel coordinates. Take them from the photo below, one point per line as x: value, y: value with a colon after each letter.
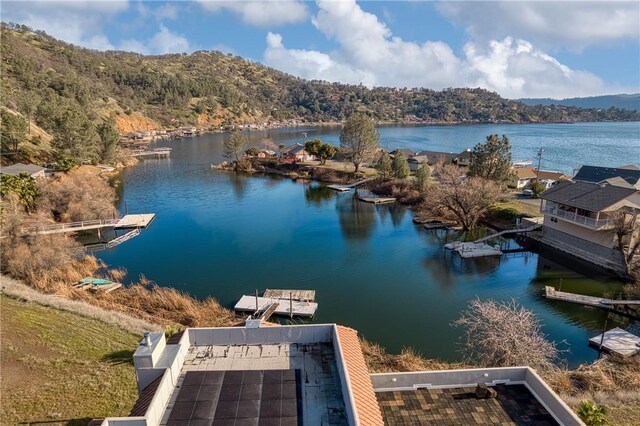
x: 377, y: 200
x: 468, y: 250
x: 299, y: 295
x: 617, y: 341
x: 339, y: 188
x: 135, y: 221
x: 156, y: 152
x: 287, y: 307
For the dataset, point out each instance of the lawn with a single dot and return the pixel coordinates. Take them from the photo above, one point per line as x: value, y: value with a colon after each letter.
x: 62, y: 368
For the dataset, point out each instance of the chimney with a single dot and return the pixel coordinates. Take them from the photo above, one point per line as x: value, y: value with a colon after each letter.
x: 147, y: 339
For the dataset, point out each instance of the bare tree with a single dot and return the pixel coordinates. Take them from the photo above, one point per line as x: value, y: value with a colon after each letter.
x: 466, y: 198
x: 501, y: 334
x: 626, y: 223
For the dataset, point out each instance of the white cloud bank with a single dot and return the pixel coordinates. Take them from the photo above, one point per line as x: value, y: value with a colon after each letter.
x: 370, y: 54
x: 569, y: 24
x: 264, y: 13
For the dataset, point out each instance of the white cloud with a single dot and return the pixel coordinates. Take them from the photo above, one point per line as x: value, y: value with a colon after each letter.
x: 77, y: 22
x: 570, y: 24
x: 369, y: 53
x: 265, y: 13
x: 164, y: 41
x: 167, y: 11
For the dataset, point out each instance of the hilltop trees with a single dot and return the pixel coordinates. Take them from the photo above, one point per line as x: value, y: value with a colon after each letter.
x: 108, y: 147
x: 13, y: 130
x: 359, y: 139
x: 492, y: 160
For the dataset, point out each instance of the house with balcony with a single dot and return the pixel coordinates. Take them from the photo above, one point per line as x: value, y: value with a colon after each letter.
x: 578, y: 219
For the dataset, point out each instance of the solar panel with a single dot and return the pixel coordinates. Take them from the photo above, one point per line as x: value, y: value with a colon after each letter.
x: 239, y: 398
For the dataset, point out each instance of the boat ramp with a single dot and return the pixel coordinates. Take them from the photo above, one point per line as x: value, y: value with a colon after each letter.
x: 617, y: 341
x: 298, y: 303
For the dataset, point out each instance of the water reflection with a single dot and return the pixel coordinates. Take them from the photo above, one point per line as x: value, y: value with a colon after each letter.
x: 392, y: 210
x: 239, y: 184
x: 317, y: 195
x: 357, y: 219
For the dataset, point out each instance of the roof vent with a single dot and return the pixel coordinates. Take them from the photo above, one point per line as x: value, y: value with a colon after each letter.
x: 147, y: 339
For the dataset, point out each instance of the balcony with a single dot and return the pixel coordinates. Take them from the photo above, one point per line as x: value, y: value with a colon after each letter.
x: 589, y: 222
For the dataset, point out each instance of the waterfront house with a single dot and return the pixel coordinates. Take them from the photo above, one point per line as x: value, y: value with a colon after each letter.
x: 629, y: 174
x: 435, y: 157
x: 316, y: 374
x: 523, y: 176
x: 464, y: 158
x: 578, y: 219
x: 296, y: 153
x: 266, y: 153
x: 20, y: 168
x: 416, y: 162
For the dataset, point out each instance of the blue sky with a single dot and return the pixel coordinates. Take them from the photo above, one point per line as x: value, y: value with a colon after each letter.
x: 516, y: 48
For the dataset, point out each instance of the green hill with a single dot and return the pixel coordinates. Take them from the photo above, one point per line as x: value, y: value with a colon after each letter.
x: 67, y: 91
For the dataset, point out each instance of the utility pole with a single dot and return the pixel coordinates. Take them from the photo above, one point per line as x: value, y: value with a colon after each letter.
x: 540, y: 152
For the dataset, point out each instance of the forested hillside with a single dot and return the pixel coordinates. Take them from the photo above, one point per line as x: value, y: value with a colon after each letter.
x: 68, y: 91
x: 630, y: 102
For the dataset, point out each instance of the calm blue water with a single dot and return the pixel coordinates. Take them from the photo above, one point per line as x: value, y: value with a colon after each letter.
x: 223, y: 235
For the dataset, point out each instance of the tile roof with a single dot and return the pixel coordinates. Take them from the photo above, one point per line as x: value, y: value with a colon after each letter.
x: 598, y: 174
x: 586, y: 195
x: 367, y: 408
x: 144, y: 398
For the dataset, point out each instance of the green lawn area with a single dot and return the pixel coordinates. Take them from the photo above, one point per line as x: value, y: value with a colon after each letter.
x: 60, y: 368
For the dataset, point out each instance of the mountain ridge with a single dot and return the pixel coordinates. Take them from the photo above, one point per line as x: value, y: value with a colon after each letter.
x: 626, y: 101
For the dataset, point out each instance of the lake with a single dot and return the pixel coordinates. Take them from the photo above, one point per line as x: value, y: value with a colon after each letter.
x: 223, y: 235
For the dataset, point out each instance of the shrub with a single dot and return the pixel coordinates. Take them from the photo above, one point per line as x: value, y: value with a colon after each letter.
x: 592, y: 414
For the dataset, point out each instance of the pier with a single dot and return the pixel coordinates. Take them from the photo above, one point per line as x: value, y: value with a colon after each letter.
x: 377, y: 200
x: 629, y: 308
x: 127, y: 222
x: 516, y: 230
x: 347, y: 187
x: 155, y: 152
x: 468, y: 250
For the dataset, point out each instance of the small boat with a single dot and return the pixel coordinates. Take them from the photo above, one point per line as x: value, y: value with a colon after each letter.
x: 94, y: 281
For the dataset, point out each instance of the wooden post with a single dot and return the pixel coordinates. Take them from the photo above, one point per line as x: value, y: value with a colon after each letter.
x: 256, y: 300
x: 602, y: 338
x: 126, y: 208
x: 290, y: 305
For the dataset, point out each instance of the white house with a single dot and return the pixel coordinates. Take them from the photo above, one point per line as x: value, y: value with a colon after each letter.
x: 19, y: 168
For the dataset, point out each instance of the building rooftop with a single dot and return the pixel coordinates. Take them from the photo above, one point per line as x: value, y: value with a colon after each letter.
x: 513, y: 405
x: 16, y: 169
x: 449, y: 398
x: 312, y: 375
x: 598, y: 174
x: 588, y: 196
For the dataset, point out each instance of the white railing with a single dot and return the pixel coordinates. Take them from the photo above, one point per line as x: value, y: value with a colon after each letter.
x: 577, y: 218
x: 62, y: 227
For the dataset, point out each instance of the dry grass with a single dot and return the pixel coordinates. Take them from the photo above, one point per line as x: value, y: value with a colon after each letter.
x: 60, y: 368
x: 403, y: 190
x: 380, y: 361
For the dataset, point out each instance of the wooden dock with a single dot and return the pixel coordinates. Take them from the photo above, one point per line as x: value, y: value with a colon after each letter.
x: 126, y: 222
x: 347, y: 187
x: 617, y: 341
x: 629, y: 308
x: 298, y: 295
x: 516, y: 230
x: 469, y: 250
x: 155, y: 152
x: 377, y: 200
x: 286, y: 307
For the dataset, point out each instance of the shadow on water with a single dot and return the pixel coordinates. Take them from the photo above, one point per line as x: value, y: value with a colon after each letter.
x: 239, y: 184
x: 357, y: 219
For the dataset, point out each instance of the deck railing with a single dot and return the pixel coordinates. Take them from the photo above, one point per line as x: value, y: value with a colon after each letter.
x: 59, y: 227
x: 577, y: 218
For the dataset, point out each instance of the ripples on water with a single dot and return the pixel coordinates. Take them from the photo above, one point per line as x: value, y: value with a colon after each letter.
x: 224, y: 235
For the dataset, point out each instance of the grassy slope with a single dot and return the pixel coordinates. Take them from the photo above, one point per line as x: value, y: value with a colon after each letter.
x: 62, y: 367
